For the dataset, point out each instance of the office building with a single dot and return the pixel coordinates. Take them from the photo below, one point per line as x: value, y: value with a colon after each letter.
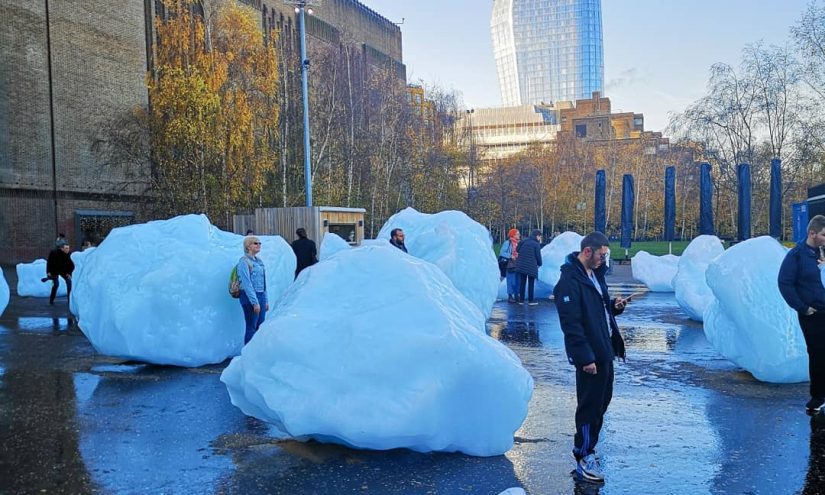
x: 547, y: 50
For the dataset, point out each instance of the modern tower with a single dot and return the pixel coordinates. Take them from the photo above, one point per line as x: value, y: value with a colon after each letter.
x: 547, y: 50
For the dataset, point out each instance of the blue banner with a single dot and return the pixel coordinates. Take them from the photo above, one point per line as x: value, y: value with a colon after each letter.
x: 628, y: 198
x: 670, y: 202
x: 743, y: 189
x: 600, y: 220
x: 706, y: 202
x: 776, y: 199
x: 800, y: 221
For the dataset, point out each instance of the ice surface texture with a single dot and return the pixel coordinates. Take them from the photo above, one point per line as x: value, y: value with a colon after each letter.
x: 457, y: 244
x: 157, y: 292
x: 404, y: 361
x: 4, y: 292
x: 748, y: 322
x: 79, y: 259
x: 331, y: 244
x: 29, y: 283
x: 690, y: 287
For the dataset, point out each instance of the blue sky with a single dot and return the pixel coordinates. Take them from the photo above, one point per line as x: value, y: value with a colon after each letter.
x: 657, y: 52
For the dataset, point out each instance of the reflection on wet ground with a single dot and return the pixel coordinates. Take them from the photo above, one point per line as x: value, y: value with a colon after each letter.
x: 683, y: 420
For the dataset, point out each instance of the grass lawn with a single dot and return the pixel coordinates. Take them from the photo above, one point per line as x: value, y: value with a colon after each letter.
x: 656, y: 248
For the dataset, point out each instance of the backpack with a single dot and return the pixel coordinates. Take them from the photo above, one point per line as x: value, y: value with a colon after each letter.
x: 235, y: 282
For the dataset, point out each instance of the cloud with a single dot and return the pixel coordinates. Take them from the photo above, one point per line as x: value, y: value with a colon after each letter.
x: 627, y: 77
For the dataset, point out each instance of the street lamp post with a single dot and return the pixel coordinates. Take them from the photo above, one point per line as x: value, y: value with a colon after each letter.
x: 471, y: 179
x: 302, y: 7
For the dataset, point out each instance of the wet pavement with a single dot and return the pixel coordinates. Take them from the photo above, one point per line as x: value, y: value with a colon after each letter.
x: 683, y: 421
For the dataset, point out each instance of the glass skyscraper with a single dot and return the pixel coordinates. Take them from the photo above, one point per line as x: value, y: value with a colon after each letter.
x: 548, y: 50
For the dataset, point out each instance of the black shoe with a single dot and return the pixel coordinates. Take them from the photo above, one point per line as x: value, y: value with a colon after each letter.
x: 511, y: 299
x: 44, y: 279
x: 815, y: 404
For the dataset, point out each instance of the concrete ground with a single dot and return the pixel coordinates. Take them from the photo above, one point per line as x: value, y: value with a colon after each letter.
x: 683, y: 421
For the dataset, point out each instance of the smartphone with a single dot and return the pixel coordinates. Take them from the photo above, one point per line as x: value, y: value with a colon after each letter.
x: 631, y: 296
x: 822, y: 252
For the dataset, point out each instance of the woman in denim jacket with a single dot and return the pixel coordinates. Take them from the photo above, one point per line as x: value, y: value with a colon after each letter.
x: 252, y: 275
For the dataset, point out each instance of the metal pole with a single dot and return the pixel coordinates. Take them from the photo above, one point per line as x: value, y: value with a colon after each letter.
x: 51, y: 117
x: 304, y: 87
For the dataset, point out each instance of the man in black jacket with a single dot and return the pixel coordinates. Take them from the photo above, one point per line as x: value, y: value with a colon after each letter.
x: 59, y: 264
x: 800, y: 284
x: 592, y: 341
x: 305, y: 251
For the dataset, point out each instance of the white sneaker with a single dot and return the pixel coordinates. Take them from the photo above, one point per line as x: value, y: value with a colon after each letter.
x: 588, y: 468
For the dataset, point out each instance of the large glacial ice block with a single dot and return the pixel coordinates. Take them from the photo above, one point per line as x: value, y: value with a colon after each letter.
x: 331, y: 244
x: 157, y: 292
x: 689, y: 285
x: 457, y: 244
x: 4, y: 292
x: 553, y: 256
x: 656, y: 272
x: 402, y: 362
x: 748, y: 322
x: 79, y: 260
x: 29, y: 280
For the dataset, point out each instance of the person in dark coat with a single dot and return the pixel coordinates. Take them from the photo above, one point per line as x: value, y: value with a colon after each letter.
x: 800, y: 283
x: 305, y: 251
x: 397, y: 239
x: 592, y: 341
x: 527, y: 265
x: 59, y: 264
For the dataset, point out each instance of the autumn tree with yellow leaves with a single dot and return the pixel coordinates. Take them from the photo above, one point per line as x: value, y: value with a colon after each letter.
x: 213, y: 118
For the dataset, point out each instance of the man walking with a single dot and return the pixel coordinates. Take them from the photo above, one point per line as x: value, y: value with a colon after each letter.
x: 59, y: 264
x: 592, y: 341
x: 800, y: 284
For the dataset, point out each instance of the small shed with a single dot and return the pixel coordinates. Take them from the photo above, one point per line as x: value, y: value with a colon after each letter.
x: 348, y: 223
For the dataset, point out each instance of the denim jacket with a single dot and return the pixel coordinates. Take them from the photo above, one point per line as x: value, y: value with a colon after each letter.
x: 253, y: 282
x: 506, y: 250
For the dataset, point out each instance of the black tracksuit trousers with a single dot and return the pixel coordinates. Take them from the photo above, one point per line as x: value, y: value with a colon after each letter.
x: 593, y: 394
x: 813, y: 328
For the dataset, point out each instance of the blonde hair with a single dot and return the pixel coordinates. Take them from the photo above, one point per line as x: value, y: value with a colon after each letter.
x: 248, y: 241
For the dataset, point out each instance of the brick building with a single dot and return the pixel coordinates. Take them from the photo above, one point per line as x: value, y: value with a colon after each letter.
x: 69, y: 70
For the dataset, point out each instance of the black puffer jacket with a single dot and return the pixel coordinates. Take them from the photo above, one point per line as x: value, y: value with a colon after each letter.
x: 59, y: 263
x: 587, y: 338
x: 529, y: 257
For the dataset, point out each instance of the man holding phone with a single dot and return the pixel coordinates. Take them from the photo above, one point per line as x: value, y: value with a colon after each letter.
x: 800, y: 283
x: 592, y: 341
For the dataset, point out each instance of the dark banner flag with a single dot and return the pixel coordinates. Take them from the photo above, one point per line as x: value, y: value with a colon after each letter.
x: 705, y: 202
x: 743, y: 176
x: 776, y: 198
x: 670, y: 202
x: 600, y: 220
x: 628, y: 198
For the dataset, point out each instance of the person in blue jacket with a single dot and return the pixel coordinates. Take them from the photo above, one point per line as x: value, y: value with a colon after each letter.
x: 592, y: 341
x: 252, y: 275
x: 800, y: 283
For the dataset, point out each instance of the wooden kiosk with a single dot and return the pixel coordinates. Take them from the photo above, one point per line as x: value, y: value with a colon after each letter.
x: 348, y: 223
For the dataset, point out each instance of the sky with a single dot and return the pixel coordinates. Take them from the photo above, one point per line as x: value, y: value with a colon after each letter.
x: 657, y: 53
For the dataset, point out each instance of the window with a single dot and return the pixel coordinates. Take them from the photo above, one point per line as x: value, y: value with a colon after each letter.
x: 581, y: 130
x: 345, y: 231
